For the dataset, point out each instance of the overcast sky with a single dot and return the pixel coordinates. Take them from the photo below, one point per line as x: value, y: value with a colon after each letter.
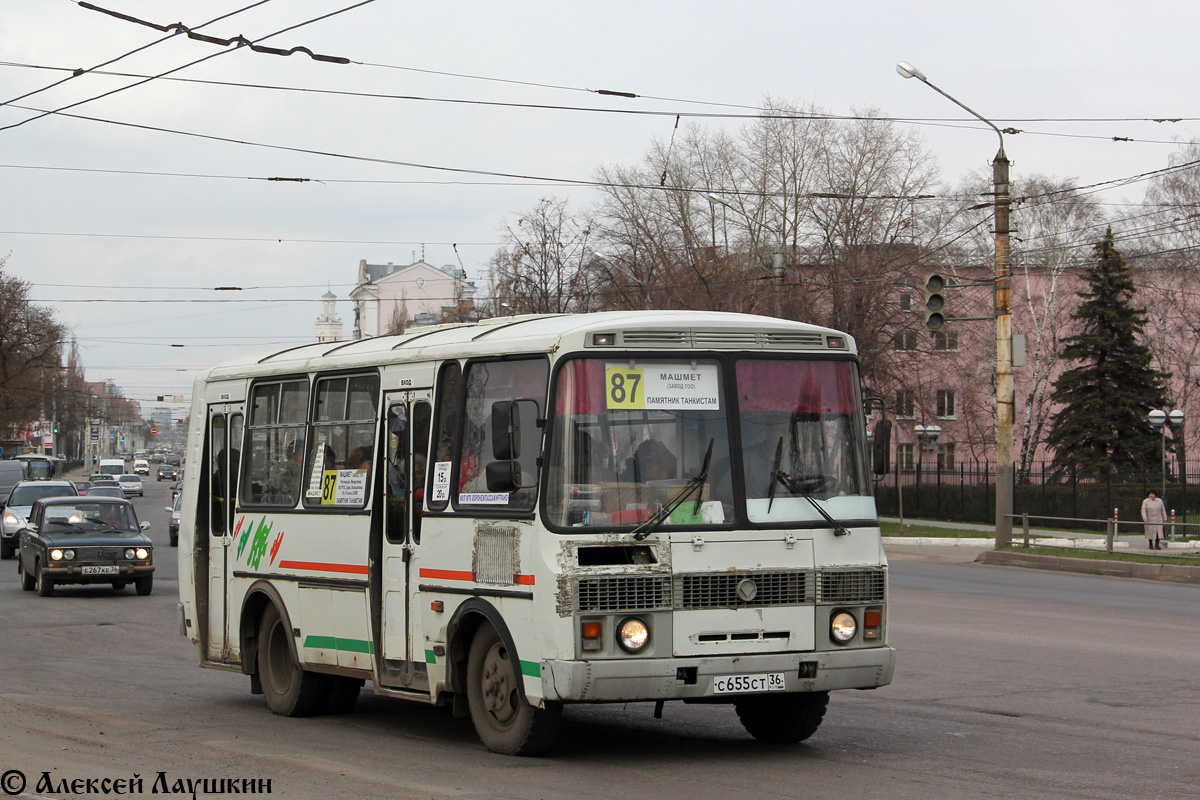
x: 151, y: 210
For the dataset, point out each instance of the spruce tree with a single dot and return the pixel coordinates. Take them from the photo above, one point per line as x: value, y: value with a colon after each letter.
x: 1101, y: 425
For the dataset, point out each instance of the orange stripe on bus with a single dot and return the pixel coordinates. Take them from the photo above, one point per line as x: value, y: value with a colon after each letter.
x: 313, y: 566
x: 459, y: 575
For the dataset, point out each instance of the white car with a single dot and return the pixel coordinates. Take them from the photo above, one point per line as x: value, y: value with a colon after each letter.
x: 131, y: 484
x: 141, y: 466
x: 16, y: 513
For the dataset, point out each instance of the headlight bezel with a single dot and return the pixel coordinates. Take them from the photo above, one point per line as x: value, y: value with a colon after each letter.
x: 627, y: 642
x: 843, y: 626
x: 142, y: 553
x: 56, y: 554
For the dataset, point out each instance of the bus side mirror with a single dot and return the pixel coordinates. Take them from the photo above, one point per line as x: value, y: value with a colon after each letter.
x: 882, y: 444
x: 506, y: 430
x: 505, y: 473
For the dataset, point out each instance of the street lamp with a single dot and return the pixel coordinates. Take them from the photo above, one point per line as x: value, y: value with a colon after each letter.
x: 1160, y: 421
x: 1003, y: 314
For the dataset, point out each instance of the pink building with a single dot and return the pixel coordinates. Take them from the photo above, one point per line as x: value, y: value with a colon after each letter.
x: 390, y: 298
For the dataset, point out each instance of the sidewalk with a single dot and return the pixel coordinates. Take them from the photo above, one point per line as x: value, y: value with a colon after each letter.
x: 1047, y: 537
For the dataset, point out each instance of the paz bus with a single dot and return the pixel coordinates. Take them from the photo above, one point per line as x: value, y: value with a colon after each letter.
x: 527, y: 512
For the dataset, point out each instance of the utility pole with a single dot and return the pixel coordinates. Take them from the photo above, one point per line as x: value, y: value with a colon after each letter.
x: 1003, y: 314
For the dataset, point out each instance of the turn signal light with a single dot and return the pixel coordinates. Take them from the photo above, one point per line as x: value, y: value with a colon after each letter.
x: 872, y: 624
x: 591, y: 633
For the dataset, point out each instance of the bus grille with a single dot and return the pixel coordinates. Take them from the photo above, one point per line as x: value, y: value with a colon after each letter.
x: 851, y: 586
x: 623, y: 593
x: 720, y: 590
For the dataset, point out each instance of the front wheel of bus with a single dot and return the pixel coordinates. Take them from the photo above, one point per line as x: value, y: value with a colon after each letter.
x: 783, y: 720
x: 289, y: 690
x: 505, y: 723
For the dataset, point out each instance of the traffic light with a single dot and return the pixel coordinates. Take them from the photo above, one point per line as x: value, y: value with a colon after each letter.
x: 935, y: 285
x: 56, y: 428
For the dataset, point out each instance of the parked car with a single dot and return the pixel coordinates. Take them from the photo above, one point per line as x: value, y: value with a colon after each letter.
x: 131, y: 485
x: 168, y: 472
x: 82, y: 487
x: 173, y: 525
x: 23, y: 496
x: 176, y: 490
x: 106, y: 491
x: 85, y: 540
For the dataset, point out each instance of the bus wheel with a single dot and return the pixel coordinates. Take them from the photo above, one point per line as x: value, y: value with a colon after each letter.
x: 783, y: 720
x: 343, y: 694
x: 289, y: 690
x: 505, y: 723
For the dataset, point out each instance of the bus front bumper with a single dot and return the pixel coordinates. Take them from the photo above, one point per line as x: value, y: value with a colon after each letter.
x: 612, y: 680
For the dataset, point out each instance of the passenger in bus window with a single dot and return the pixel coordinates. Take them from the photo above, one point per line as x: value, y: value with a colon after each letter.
x: 359, y: 459
x: 653, y: 462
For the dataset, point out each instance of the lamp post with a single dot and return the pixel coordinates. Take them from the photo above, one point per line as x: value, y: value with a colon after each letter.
x: 1160, y: 421
x: 1003, y: 315
x: 776, y: 259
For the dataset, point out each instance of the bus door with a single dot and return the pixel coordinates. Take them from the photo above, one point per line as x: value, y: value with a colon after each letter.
x: 224, y: 444
x: 408, y: 424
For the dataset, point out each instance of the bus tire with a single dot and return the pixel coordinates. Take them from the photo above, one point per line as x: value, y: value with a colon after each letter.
x: 289, y: 690
x: 343, y: 694
x: 782, y: 720
x: 504, y: 722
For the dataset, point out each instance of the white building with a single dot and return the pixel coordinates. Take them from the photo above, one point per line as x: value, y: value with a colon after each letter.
x: 390, y: 298
x: 329, y: 324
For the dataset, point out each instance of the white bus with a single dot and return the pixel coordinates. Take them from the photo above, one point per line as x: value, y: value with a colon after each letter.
x: 513, y: 515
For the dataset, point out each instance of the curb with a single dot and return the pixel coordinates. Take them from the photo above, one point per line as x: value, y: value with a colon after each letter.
x: 1171, y: 573
x: 951, y: 541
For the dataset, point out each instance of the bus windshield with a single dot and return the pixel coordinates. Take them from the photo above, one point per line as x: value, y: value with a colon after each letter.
x: 635, y: 435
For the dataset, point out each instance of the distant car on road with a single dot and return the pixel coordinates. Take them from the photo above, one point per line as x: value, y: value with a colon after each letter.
x: 82, y: 487
x: 141, y: 466
x: 173, y: 525
x: 131, y: 485
x: 23, y: 496
x: 85, y: 540
x: 168, y: 472
x: 106, y: 491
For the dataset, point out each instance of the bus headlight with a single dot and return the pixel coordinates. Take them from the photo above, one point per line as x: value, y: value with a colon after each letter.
x: 842, y: 627
x: 633, y: 635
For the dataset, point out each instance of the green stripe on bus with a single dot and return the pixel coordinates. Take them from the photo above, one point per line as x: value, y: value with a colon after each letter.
x: 531, y: 668
x: 334, y: 643
x: 430, y: 657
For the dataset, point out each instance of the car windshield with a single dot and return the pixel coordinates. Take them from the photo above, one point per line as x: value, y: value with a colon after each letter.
x: 27, y: 495
x: 106, y: 491
x: 633, y: 436
x: 84, y: 516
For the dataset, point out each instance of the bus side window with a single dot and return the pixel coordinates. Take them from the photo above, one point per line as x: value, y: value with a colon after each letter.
x: 440, y: 478
x: 397, y: 472
x: 217, y: 446
x: 421, y: 419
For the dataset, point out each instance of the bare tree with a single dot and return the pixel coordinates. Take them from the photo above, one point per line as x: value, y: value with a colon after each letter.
x: 30, y: 353
x: 542, y: 267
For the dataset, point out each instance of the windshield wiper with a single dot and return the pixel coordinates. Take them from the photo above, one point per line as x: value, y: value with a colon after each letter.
x: 797, y: 486
x: 659, y: 517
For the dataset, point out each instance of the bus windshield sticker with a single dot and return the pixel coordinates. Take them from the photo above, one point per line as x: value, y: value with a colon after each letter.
x: 483, y: 498
x: 441, y: 480
x: 344, y: 487
x: 661, y: 386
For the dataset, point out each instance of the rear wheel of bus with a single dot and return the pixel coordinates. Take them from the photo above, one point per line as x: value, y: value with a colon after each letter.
x: 782, y: 720
x: 504, y: 721
x: 289, y: 690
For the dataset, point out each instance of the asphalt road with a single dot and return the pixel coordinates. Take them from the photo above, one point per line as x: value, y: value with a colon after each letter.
x: 1010, y: 683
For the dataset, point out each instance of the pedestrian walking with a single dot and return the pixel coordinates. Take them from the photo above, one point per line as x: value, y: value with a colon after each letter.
x: 1154, y: 514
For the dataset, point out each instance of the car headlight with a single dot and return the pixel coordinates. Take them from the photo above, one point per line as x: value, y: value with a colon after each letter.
x: 633, y: 635
x: 68, y: 555
x: 129, y: 554
x: 11, y: 519
x: 842, y: 627
x: 56, y: 555
x: 143, y: 553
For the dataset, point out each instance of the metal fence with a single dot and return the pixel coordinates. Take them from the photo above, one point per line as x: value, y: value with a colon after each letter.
x: 967, y: 493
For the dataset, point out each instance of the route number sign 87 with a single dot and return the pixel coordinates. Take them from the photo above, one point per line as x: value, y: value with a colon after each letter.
x: 624, y: 388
